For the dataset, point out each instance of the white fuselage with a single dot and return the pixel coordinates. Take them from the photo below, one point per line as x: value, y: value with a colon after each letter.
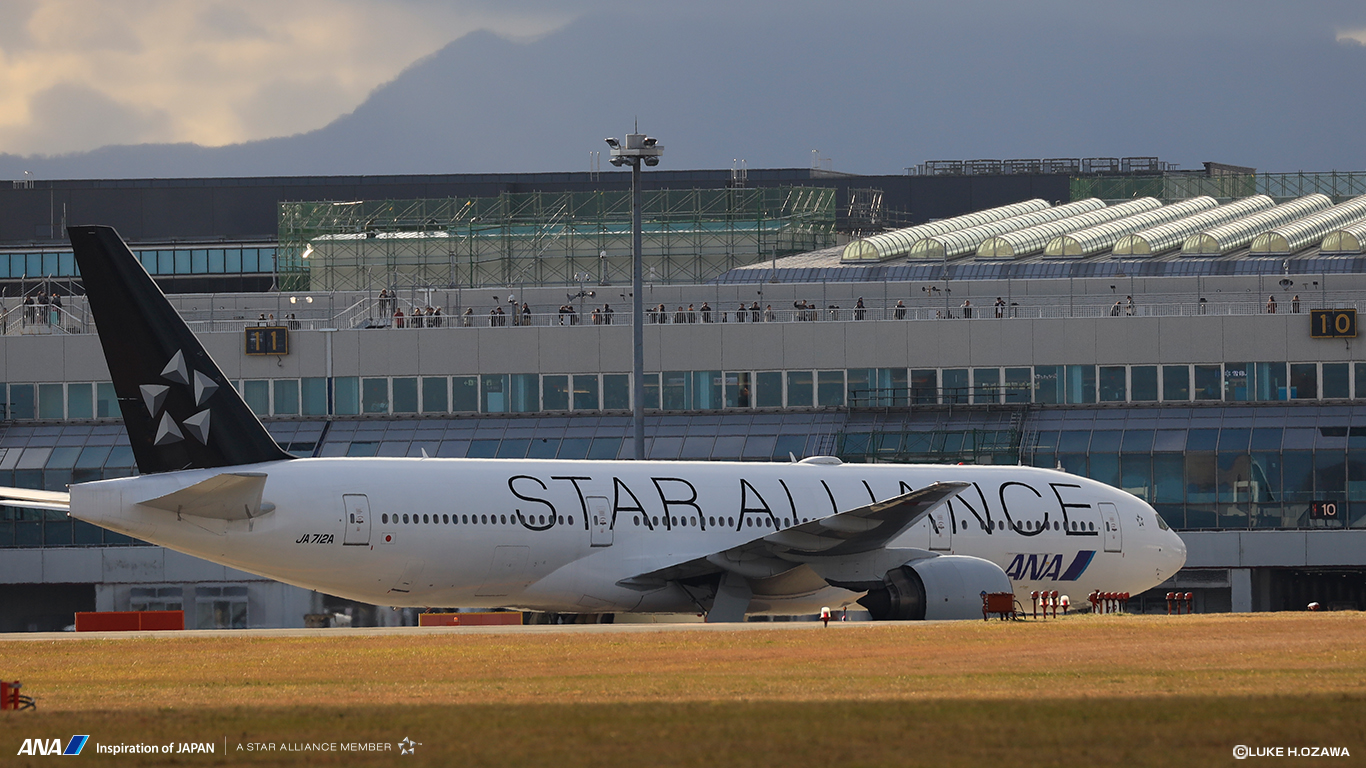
x: 501, y: 532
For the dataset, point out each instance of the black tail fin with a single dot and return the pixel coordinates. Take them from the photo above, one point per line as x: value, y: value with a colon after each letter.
x: 181, y: 412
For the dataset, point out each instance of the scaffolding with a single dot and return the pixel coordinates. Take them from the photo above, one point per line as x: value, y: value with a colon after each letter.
x: 1170, y: 186
x: 537, y: 239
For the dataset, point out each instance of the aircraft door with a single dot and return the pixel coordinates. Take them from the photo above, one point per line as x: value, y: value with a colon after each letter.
x: 356, y: 508
x: 1109, y: 517
x: 941, y: 530
x: 599, y: 521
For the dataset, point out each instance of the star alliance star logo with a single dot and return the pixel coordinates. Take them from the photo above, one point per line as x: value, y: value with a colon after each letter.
x: 154, y: 397
x: 408, y: 746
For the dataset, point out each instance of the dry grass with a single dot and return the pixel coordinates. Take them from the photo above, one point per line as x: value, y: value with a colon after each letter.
x: 1152, y: 690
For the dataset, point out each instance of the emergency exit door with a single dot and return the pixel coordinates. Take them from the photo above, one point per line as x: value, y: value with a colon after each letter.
x: 356, y: 508
x: 941, y: 528
x: 599, y: 521
x: 1109, y: 518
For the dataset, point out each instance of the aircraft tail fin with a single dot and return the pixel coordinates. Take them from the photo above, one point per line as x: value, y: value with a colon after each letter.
x: 180, y: 411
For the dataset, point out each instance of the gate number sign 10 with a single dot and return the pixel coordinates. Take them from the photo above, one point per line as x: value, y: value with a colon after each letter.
x: 1333, y: 323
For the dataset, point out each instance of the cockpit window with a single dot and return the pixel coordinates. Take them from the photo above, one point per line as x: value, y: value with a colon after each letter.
x: 1160, y: 522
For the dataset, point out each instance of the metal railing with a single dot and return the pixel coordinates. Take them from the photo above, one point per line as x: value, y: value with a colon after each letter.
x: 365, y: 311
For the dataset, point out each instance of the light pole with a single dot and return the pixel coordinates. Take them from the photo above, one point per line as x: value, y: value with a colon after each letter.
x: 636, y: 148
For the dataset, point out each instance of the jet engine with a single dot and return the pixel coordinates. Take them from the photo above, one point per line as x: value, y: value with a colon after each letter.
x: 936, y: 588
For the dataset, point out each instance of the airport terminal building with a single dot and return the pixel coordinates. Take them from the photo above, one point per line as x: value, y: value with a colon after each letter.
x: 790, y: 314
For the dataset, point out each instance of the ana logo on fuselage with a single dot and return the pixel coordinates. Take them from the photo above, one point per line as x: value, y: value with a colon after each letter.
x: 1048, y: 567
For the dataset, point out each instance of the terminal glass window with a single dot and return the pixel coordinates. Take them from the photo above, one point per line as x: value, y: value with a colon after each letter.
x: 1143, y: 383
x: 464, y: 394
x: 986, y: 385
x: 860, y: 387
x: 739, y: 390
x: 768, y: 389
x: 1238, y: 382
x: 524, y: 392
x: 1304, y: 381
x: 555, y: 392
x: 21, y: 401
x: 1112, y: 384
x: 1360, y: 379
x: 347, y: 390
x: 651, y: 390
x: 924, y: 386
x: 1176, y: 383
x: 51, y: 403
x: 375, y: 395
x: 405, y: 395
x: 1272, y: 382
x: 585, y: 392
x: 705, y: 394
x: 106, y: 401
x: 79, y: 404
x: 1048, y: 387
x: 286, y: 397
x: 155, y: 599
x: 1019, y: 385
x: 1081, y: 384
x: 675, y: 384
x: 313, y: 391
x: 955, y: 383
x: 257, y: 394
x: 892, y: 385
x: 494, y: 394
x: 1209, y: 382
x: 434, y: 394
x: 220, y: 607
x: 616, y: 391
x: 1334, y: 381
x: 799, y: 389
x: 830, y: 388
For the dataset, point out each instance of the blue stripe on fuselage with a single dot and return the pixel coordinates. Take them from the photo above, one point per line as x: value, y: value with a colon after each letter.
x: 1078, y: 566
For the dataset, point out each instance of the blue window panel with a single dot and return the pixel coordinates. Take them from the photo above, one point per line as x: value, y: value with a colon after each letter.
x: 199, y: 261
x: 483, y: 449
x: 182, y: 262
x: 1266, y: 439
x: 34, y: 265
x: 267, y: 259
x: 216, y: 261
x: 49, y: 264
x: 1202, y: 439
x: 66, y: 265
x: 249, y: 260
x: 234, y: 260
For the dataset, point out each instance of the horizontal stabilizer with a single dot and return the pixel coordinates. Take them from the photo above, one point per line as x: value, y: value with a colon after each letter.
x: 31, y: 499
x: 229, y: 496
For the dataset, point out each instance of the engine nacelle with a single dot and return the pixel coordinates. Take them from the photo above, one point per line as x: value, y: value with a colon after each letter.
x: 936, y: 588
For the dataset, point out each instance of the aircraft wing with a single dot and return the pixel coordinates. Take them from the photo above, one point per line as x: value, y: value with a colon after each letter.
x: 848, y: 533
x: 31, y: 499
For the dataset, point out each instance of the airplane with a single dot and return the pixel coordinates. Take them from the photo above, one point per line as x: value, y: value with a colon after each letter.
x: 724, y: 539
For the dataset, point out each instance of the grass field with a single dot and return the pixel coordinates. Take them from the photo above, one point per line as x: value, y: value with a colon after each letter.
x: 1080, y: 691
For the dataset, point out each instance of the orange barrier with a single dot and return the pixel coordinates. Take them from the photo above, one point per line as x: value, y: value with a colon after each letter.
x: 128, y: 621
x: 9, y: 694
x: 499, y: 618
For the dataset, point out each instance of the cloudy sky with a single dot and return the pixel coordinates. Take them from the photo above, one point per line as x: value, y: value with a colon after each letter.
x: 245, y: 87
